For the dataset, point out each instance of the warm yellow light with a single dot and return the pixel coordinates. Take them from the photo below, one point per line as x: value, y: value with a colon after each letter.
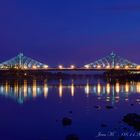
x: 72, y: 88
x: 138, y: 67
x: 6, y: 87
x: 25, y: 88
x: 25, y: 67
x: 16, y: 88
x: 45, y: 90
x: 117, y: 87
x: 138, y: 87
x: 34, y: 67
x: 45, y: 66
x: 108, y: 88
x: 98, y: 66
x: 107, y: 66
x: 60, y: 89
x: 126, y: 67
x: 127, y: 87
x: 34, y: 88
x: 87, y: 88
x: 99, y: 88
x: 60, y: 67
x: 117, y: 67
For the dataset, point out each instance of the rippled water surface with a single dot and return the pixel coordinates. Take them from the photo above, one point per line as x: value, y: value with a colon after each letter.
x: 33, y: 110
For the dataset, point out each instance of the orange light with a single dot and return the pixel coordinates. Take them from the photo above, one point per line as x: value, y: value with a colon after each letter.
x: 108, y: 88
x: 98, y: 66
x: 34, y: 67
x: 25, y: 88
x: 126, y: 67
x: 127, y: 87
x: 60, y: 89
x: 108, y: 67
x: 72, y: 89
x: 117, y: 87
x: 99, y: 88
x: 25, y: 67
x: 138, y: 67
x: 117, y: 67
x: 45, y: 90
x: 34, y: 88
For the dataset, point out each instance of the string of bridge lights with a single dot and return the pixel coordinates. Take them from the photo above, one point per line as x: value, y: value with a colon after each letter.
x: 111, y: 61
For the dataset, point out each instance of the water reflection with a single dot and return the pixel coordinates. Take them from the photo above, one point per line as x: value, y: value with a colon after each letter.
x: 107, y: 88
x: 34, y: 88
x: 60, y: 88
x: 46, y: 89
x: 87, y: 88
x: 99, y: 88
x: 25, y: 88
x: 21, y: 91
x: 72, y: 88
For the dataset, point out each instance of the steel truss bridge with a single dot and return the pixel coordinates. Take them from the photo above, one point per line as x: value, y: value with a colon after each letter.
x: 109, y: 62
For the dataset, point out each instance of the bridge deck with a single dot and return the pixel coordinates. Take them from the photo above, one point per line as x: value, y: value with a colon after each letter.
x: 69, y: 69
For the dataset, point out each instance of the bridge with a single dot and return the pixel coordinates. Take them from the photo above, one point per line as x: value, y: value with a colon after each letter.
x: 109, y: 62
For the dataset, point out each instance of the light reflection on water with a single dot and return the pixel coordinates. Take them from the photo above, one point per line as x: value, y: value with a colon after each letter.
x: 85, y: 101
x: 20, y: 91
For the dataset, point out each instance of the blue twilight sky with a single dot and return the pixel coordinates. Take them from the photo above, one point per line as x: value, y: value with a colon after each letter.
x: 69, y: 31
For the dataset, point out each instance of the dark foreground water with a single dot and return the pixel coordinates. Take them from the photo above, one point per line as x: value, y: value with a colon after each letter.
x: 34, y: 110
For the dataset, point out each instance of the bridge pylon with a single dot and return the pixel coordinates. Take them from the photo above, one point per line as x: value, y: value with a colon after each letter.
x: 112, y: 61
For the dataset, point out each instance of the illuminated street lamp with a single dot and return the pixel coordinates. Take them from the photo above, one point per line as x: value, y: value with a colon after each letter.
x: 72, y: 66
x: 87, y: 66
x: 126, y: 67
x: 60, y: 67
x: 15, y: 67
x: 108, y: 66
x: 138, y: 67
x: 45, y: 66
x: 117, y: 66
x: 25, y: 67
x: 34, y: 67
x: 98, y: 66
